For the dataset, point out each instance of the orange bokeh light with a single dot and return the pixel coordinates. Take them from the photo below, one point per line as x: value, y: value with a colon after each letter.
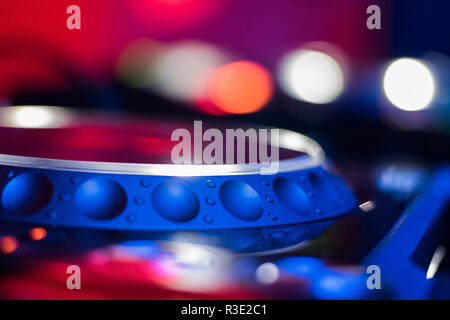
x: 8, y: 244
x: 37, y: 234
x: 240, y: 87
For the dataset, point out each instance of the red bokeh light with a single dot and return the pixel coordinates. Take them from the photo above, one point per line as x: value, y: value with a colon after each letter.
x: 241, y: 87
x: 37, y: 234
x: 8, y: 244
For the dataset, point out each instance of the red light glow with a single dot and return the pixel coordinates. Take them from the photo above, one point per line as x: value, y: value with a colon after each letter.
x: 8, y: 244
x: 37, y: 234
x: 241, y: 87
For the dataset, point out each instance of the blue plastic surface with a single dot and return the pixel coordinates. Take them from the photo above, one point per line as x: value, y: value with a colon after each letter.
x: 217, y: 205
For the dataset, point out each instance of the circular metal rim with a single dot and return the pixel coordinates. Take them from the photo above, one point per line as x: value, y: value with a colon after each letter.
x: 290, y: 140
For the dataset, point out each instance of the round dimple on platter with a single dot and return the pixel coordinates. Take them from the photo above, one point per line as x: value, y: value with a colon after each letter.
x: 175, y: 201
x: 100, y: 199
x: 27, y: 193
x: 75, y: 180
x: 291, y: 196
x: 211, y: 184
x: 208, y: 219
x: 139, y: 200
x: 210, y: 201
x: 327, y: 194
x: 132, y: 218
x: 241, y: 200
x: 145, y: 183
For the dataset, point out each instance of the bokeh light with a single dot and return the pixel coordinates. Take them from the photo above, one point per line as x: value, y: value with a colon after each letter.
x: 267, y: 273
x: 197, y: 267
x: 241, y: 87
x: 136, y: 63
x: 37, y: 234
x: 8, y: 244
x: 33, y: 117
x: 409, y: 84
x: 182, y: 72
x: 311, y: 76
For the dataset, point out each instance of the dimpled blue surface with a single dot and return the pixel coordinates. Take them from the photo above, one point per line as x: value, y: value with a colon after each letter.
x: 277, y: 210
x: 241, y: 200
x: 100, y: 199
x: 175, y: 201
x: 291, y: 196
x: 26, y: 193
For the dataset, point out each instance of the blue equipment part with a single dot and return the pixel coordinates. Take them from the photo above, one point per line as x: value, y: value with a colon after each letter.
x: 307, y: 201
x: 132, y: 202
x: 405, y: 255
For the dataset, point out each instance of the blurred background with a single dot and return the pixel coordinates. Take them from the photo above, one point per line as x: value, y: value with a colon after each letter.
x: 312, y: 66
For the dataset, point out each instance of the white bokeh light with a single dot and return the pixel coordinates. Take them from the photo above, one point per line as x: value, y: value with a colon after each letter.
x: 409, y: 84
x: 182, y: 71
x: 267, y: 273
x: 33, y: 117
x: 311, y: 76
